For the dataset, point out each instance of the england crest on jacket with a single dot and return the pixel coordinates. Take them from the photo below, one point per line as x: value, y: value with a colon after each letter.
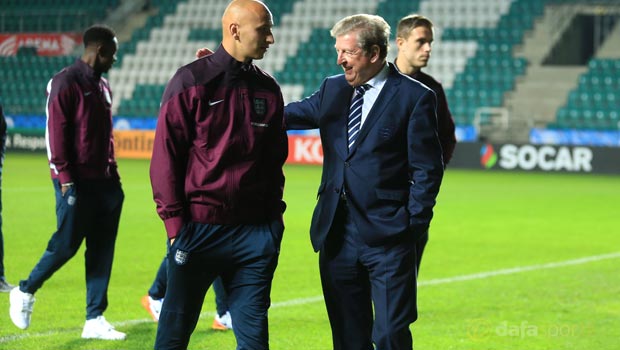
x: 260, y: 106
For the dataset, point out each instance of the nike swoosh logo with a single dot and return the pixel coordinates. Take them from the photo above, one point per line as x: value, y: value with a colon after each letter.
x: 87, y: 93
x: 260, y: 125
x: 213, y: 103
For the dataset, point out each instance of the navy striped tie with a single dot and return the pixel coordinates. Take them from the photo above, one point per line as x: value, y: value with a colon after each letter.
x: 355, y: 114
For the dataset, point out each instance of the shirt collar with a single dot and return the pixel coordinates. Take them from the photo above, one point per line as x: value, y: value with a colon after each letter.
x: 379, y: 79
x: 87, y: 70
x: 412, y: 75
x: 222, y: 56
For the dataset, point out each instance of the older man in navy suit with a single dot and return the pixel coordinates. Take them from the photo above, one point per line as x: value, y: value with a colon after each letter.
x: 381, y: 174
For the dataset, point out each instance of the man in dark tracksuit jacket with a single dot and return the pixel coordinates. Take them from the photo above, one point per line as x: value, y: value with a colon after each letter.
x: 89, y: 198
x: 413, y: 38
x: 217, y: 180
x: 4, y: 285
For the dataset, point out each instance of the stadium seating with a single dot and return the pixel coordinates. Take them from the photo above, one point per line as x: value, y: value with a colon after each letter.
x: 314, y: 61
x: 304, y: 55
x: 156, y: 50
x: 192, y: 24
x: 595, y: 102
x: 52, y: 15
x: 491, y: 70
x: 24, y: 77
x: 23, y: 80
x: 472, y: 53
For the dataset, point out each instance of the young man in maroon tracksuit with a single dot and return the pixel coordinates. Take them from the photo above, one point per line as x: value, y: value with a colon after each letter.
x: 89, y: 198
x: 414, y: 37
x: 217, y: 180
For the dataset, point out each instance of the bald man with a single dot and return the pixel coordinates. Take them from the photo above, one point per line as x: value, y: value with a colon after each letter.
x: 217, y: 180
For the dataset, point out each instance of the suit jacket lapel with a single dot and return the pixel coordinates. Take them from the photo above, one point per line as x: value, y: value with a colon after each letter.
x: 388, y: 93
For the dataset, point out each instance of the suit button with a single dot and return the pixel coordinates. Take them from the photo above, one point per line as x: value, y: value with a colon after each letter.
x: 336, y: 190
x: 346, y: 164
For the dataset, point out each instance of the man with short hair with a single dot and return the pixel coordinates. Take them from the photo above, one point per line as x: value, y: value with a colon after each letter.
x: 89, y: 197
x: 414, y: 38
x: 382, y: 169
x: 217, y: 180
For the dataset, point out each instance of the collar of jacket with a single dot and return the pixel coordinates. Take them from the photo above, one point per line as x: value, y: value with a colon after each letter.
x: 221, y: 56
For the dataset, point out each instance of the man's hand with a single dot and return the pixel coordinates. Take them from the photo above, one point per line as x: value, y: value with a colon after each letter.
x: 200, y: 53
x: 65, y: 187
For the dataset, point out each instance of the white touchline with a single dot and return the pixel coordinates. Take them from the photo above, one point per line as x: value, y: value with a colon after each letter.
x: 310, y: 300
x: 510, y: 271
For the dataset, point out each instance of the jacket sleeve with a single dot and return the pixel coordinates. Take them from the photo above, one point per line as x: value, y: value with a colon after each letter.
x: 3, y: 136
x: 425, y: 162
x: 304, y: 114
x: 60, y: 109
x: 277, y: 154
x: 173, y: 137
x: 445, y: 126
x: 112, y: 154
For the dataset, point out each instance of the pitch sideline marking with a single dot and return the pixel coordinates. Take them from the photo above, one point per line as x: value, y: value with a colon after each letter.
x: 303, y: 301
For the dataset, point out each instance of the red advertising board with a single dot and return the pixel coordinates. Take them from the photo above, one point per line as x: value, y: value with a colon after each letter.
x: 304, y: 149
x: 47, y: 44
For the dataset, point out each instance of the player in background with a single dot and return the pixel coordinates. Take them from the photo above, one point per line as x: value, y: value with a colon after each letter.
x: 414, y: 37
x: 89, y: 197
x: 5, y: 286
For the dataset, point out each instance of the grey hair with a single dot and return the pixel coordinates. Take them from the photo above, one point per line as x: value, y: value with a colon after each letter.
x: 370, y: 29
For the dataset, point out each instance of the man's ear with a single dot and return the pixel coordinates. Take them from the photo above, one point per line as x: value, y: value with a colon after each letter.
x: 233, y: 28
x: 101, y: 50
x: 375, y: 52
x: 399, y: 41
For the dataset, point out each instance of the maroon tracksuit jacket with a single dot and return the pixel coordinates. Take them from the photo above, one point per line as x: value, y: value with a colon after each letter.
x: 80, y: 143
x: 220, y: 144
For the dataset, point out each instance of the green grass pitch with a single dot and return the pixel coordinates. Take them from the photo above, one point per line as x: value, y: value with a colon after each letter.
x: 522, y: 261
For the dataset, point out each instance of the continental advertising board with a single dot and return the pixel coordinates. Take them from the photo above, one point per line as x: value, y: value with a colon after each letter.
x: 135, y: 144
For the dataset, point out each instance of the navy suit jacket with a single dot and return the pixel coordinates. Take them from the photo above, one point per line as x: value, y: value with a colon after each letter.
x: 393, y: 172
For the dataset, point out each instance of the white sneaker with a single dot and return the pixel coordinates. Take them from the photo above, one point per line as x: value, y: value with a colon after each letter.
x: 99, y: 328
x: 153, y: 306
x: 21, y: 307
x: 223, y: 322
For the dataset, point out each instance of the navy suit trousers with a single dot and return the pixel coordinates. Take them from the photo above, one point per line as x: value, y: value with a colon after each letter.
x: 356, y: 277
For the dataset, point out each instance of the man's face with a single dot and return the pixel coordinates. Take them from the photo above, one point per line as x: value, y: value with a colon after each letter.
x: 255, y: 35
x: 357, y: 65
x: 106, y: 56
x: 415, y: 51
